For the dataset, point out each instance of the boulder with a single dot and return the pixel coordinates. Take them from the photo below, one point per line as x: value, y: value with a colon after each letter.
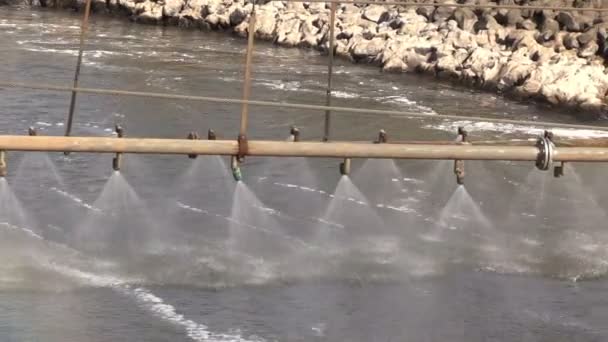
x: 172, y: 8
x: 376, y: 13
x: 367, y: 50
x: 237, y: 14
x: 527, y: 25
x: 288, y: 32
x: 465, y: 18
x: 443, y: 13
x: 589, y: 50
x: 266, y: 24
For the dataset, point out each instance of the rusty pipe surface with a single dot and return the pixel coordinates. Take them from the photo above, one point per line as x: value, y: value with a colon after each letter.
x: 299, y: 149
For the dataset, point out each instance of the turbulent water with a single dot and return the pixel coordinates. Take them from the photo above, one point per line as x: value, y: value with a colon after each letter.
x: 172, y: 249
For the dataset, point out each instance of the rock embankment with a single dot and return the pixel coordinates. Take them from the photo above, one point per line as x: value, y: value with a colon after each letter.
x: 559, y: 57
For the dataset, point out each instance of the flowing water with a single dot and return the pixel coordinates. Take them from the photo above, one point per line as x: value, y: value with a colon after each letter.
x: 172, y: 249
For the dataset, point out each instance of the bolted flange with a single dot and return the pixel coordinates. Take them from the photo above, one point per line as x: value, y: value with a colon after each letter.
x: 545, y: 151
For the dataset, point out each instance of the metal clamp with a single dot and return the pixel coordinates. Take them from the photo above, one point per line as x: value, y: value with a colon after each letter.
x: 117, y: 161
x: 211, y: 135
x: 243, y: 147
x: 382, y: 137
x: 192, y: 136
x: 545, y: 151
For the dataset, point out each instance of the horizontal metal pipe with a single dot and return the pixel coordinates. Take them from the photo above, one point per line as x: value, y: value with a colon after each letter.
x: 114, y: 145
x: 392, y: 151
x: 429, y: 150
x: 580, y: 154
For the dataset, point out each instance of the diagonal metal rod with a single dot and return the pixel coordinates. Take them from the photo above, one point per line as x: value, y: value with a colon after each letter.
x: 273, y: 104
x: 247, y: 81
x: 83, y: 34
x: 330, y: 69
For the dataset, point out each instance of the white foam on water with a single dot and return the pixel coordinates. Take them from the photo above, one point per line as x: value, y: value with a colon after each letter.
x: 506, y: 128
x: 48, y: 50
x: 267, y: 231
x: 401, y: 209
x: 344, y: 95
x: 75, y: 199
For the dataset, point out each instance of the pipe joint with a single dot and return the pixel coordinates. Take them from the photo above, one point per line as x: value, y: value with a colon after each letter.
x: 243, y: 147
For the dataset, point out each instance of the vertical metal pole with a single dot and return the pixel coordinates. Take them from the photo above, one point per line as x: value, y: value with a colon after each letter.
x: 83, y: 32
x: 247, y: 84
x: 330, y: 67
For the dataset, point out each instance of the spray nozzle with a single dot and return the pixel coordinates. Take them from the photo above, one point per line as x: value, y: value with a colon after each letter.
x: 459, y: 171
x: 3, y: 164
x: 236, y: 169
x: 345, y: 167
x: 211, y: 135
x: 117, y: 160
x: 31, y: 131
x: 558, y: 171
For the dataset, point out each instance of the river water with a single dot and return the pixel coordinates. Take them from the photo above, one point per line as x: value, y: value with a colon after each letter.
x: 517, y: 256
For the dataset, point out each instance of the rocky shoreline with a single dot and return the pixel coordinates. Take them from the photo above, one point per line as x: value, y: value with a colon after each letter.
x: 557, y: 57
